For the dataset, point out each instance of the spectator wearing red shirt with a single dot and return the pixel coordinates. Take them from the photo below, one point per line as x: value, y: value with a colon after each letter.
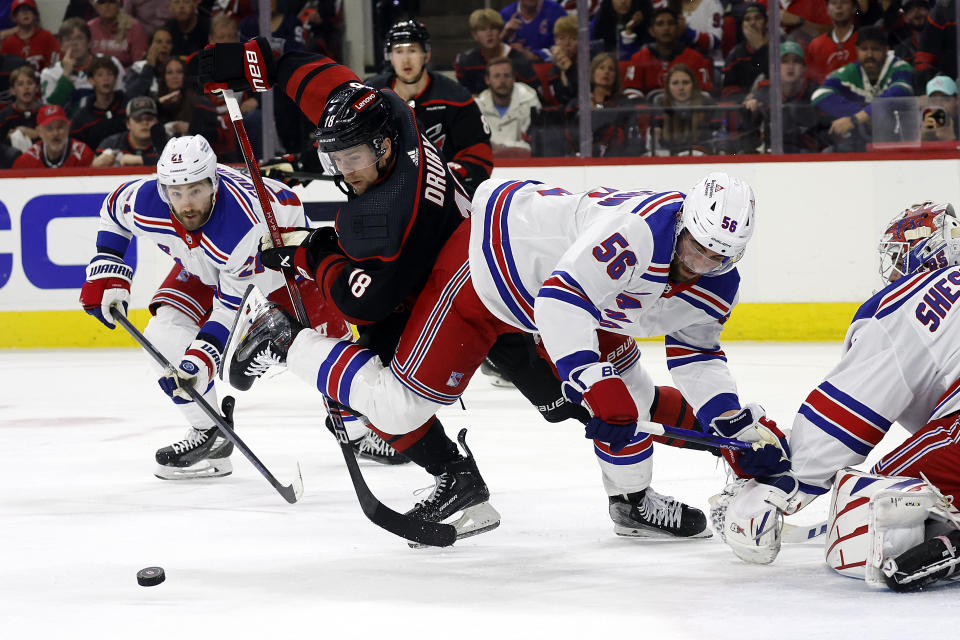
x: 116, y: 33
x: 648, y: 67
x: 804, y: 19
x: 35, y: 45
x: 836, y: 48
x: 56, y: 148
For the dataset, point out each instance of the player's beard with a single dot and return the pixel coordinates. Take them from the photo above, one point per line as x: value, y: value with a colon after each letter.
x: 192, y: 219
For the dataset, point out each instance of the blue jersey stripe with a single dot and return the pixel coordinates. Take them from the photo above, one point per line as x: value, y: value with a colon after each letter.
x: 854, y: 405
x: 855, y: 445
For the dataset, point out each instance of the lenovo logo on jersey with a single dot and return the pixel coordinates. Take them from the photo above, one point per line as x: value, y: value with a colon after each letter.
x: 253, y: 71
x: 364, y: 101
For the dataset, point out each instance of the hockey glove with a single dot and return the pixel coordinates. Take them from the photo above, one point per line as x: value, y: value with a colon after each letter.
x: 303, y: 249
x: 748, y: 515
x: 613, y: 411
x: 303, y: 164
x: 770, y: 454
x: 247, y: 66
x: 107, y: 285
x: 199, y: 364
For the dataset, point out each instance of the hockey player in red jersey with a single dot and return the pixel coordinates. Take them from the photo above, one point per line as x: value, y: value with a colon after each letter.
x: 901, y: 363
x: 448, y: 114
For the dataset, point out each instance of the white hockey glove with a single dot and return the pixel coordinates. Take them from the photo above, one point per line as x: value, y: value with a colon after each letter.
x: 748, y: 516
x: 107, y: 285
x: 771, y: 452
x: 199, y: 364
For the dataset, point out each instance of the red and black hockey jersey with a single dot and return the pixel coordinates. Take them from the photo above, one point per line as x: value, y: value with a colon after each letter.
x: 393, y: 232
x: 451, y: 119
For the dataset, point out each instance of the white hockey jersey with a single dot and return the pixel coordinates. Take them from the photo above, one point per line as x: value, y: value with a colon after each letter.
x: 567, y: 264
x: 901, y: 363
x: 223, y: 253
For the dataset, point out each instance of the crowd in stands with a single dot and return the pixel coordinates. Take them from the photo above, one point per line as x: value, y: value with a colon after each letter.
x: 107, y: 86
x: 691, y: 77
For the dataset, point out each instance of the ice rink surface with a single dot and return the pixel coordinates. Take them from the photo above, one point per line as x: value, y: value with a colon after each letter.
x: 81, y: 513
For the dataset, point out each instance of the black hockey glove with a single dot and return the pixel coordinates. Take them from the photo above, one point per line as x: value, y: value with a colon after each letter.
x: 303, y: 249
x: 293, y: 170
x: 247, y: 66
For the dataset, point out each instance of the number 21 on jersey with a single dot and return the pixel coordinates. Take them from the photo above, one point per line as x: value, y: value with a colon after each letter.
x: 614, y: 252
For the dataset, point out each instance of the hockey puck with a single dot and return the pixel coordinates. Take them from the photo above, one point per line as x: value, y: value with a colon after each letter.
x: 151, y: 576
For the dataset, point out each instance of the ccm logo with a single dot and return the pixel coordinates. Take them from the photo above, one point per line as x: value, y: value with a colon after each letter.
x: 360, y: 104
x: 253, y: 70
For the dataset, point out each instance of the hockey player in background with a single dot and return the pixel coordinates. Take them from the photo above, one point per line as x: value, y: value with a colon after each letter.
x: 208, y: 219
x: 900, y: 363
x: 573, y: 268
x: 448, y: 114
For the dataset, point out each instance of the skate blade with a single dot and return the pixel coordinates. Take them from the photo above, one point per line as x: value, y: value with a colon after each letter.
x: 656, y: 534
x: 501, y: 383
x: 473, y: 521
x: 203, y: 469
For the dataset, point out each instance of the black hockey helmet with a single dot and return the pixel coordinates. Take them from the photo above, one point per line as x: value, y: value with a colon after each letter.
x: 411, y: 30
x: 354, y: 117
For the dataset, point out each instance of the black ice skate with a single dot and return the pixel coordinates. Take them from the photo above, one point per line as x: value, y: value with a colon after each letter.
x: 496, y: 376
x: 459, y: 488
x: 203, y: 453
x: 264, y: 345
x: 917, y: 568
x: 373, y: 447
x: 647, y: 514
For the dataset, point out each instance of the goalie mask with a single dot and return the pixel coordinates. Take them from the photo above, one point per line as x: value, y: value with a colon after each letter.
x: 719, y: 217
x: 354, y: 125
x: 924, y: 237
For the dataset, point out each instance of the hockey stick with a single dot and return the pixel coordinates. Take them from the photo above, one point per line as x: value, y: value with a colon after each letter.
x: 689, y: 435
x: 429, y: 533
x: 290, y: 493
x: 797, y: 533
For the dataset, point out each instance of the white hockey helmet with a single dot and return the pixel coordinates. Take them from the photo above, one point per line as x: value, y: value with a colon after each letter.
x: 720, y: 213
x: 923, y: 237
x: 186, y: 160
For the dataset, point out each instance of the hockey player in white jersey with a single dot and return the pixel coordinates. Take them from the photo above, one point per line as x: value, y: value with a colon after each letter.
x: 573, y: 268
x: 208, y: 219
x: 900, y: 363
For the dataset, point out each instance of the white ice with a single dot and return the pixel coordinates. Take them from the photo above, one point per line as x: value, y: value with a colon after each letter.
x: 81, y: 513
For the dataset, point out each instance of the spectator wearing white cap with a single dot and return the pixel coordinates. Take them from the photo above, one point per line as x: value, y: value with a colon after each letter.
x: 940, y: 114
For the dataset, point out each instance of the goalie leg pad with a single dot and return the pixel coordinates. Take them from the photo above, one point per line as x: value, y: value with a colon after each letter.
x: 872, y: 517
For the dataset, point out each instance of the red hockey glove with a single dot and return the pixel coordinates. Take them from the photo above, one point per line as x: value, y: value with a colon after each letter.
x: 247, y: 66
x: 107, y: 285
x: 602, y: 391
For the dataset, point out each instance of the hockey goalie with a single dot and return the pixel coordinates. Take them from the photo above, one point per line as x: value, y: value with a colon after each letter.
x: 896, y: 525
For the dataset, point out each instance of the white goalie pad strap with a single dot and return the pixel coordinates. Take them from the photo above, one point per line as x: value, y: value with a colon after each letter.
x: 854, y: 532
